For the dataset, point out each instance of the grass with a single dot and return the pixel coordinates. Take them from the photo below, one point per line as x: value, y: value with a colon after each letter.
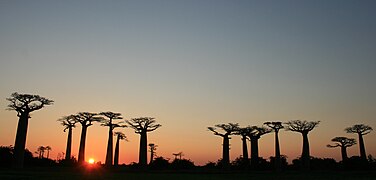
x: 72, y: 174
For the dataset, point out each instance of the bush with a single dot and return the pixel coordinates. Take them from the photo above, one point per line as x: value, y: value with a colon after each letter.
x: 159, y: 163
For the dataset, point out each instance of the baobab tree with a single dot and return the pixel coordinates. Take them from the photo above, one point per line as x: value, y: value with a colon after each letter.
x: 229, y: 129
x: 142, y: 126
x: 24, y: 104
x: 109, y: 121
x: 152, y: 149
x: 120, y: 136
x: 86, y: 119
x: 254, y: 135
x: 69, y: 122
x: 344, y: 143
x: 303, y: 127
x: 244, y: 132
x: 276, y: 126
x: 361, y: 130
x: 48, y: 149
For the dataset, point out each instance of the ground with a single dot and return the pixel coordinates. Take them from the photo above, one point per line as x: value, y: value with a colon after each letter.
x: 71, y: 174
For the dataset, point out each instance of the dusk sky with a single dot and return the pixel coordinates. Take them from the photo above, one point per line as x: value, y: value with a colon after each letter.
x: 191, y: 64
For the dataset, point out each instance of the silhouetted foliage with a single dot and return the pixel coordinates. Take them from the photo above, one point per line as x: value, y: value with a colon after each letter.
x: 182, y: 164
x: 24, y: 104
x: 240, y: 163
x: 210, y: 165
x: 303, y: 127
x: 7, y: 153
x: 110, y: 117
x: 229, y: 129
x: 323, y: 164
x: 86, y: 119
x: 6, y: 156
x: 159, y: 163
x: 142, y: 126
x: 361, y: 130
x: 283, y: 160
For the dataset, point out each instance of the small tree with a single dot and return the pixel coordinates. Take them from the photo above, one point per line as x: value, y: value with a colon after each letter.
x: 344, y: 143
x: 254, y: 135
x: 142, y: 126
x: 86, y: 119
x: 24, y: 104
x: 276, y: 126
x: 48, y: 149
x: 361, y: 130
x: 111, y: 116
x: 303, y: 127
x: 229, y: 129
x: 69, y: 122
x: 152, y: 149
x: 120, y: 136
x: 178, y: 155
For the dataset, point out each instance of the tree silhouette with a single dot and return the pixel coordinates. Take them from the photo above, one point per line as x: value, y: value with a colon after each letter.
x: 119, y: 136
x: 86, y: 119
x: 229, y: 129
x: 254, y: 135
x: 303, y: 127
x: 40, y: 151
x: 152, y: 149
x: 244, y: 132
x: 142, y: 126
x: 69, y: 122
x: 111, y: 116
x: 179, y: 154
x: 361, y: 130
x: 48, y: 149
x: 276, y: 126
x: 24, y: 104
x: 344, y: 143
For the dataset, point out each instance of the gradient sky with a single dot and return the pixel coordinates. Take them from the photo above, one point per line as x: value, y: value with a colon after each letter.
x: 191, y: 64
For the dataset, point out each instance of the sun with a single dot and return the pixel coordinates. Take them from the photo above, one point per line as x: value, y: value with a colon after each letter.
x: 91, y: 161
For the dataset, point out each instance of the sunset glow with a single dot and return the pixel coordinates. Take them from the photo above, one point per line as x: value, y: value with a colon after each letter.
x: 190, y: 65
x: 91, y: 161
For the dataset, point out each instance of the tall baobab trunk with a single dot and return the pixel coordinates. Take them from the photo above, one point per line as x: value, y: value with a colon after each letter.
x: 109, y: 148
x: 143, y: 149
x: 19, y: 145
x: 344, y: 153
x: 254, y: 152
x: 116, y: 155
x: 226, y: 151
x: 305, y: 152
x: 81, y: 151
x: 245, y: 149
x: 277, y: 153
x: 69, y: 145
x: 362, y: 147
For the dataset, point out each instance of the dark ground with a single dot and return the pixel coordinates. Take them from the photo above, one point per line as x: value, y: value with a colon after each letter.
x: 71, y: 174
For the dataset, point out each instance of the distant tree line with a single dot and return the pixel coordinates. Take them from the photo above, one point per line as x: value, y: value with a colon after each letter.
x: 254, y: 133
